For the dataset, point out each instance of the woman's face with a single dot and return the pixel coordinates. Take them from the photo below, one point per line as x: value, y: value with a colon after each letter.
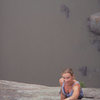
x: 68, y: 78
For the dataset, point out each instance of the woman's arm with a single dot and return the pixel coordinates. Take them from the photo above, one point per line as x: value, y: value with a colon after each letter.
x: 62, y: 97
x: 76, y: 92
x: 61, y: 80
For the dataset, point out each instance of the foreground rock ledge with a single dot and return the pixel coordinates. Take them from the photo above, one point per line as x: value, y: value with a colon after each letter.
x: 10, y: 90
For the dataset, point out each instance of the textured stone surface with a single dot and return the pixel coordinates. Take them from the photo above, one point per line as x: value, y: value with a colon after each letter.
x: 94, y: 23
x: 21, y: 91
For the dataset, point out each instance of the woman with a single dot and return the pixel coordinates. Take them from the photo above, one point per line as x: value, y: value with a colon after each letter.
x: 70, y: 88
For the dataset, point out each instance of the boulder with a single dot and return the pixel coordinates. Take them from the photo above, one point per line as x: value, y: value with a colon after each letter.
x: 10, y: 90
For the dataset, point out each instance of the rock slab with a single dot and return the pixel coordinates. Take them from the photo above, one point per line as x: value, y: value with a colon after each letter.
x: 10, y: 90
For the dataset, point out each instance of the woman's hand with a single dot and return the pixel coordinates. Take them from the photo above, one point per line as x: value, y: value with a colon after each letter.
x: 67, y: 99
x: 61, y: 80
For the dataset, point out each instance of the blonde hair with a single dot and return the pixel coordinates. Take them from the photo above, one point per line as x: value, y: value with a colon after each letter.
x: 68, y: 70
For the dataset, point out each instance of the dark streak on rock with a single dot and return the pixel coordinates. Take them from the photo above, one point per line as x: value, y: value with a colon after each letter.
x: 83, y: 70
x: 65, y: 10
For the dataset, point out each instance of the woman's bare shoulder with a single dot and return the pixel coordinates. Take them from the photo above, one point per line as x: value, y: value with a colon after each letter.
x: 76, y: 84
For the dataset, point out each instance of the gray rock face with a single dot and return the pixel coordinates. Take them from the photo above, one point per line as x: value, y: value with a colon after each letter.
x: 21, y: 91
x: 94, y: 23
